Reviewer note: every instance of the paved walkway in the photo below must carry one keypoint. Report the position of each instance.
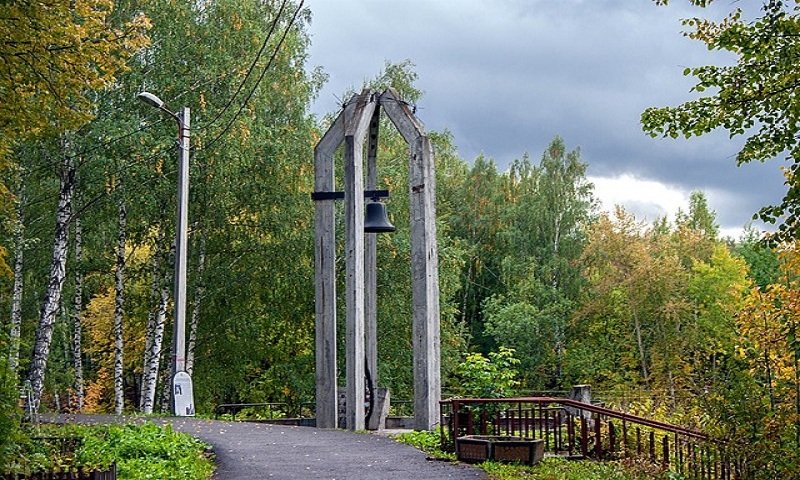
(260, 451)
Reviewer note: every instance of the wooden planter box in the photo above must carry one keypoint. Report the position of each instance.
(110, 474)
(479, 448)
(473, 448)
(527, 451)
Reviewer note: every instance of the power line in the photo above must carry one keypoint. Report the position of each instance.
(261, 77)
(94, 201)
(108, 112)
(252, 66)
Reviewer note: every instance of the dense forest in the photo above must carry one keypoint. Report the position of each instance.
(665, 318)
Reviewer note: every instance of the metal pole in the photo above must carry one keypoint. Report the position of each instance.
(181, 233)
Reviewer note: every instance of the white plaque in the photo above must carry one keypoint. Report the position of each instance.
(183, 395)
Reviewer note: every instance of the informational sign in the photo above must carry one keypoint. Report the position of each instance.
(183, 394)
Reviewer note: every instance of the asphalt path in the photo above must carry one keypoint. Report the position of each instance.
(250, 451)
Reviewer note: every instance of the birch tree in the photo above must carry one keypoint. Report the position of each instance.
(199, 291)
(155, 332)
(549, 207)
(119, 302)
(55, 284)
(48, 72)
(77, 309)
(16, 296)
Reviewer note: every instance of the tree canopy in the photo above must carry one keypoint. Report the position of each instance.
(755, 97)
(55, 53)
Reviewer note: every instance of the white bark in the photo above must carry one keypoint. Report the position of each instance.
(155, 301)
(166, 390)
(119, 398)
(16, 298)
(640, 343)
(77, 334)
(199, 291)
(55, 283)
(166, 386)
(153, 356)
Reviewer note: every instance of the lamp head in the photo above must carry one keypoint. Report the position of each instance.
(150, 99)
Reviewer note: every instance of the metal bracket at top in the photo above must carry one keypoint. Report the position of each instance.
(340, 195)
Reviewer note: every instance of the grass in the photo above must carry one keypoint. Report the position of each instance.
(554, 468)
(551, 468)
(146, 451)
(426, 441)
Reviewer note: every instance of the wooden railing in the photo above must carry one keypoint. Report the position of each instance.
(575, 429)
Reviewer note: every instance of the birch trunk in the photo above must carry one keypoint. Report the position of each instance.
(153, 356)
(169, 371)
(559, 335)
(77, 307)
(199, 291)
(16, 298)
(55, 283)
(119, 398)
(166, 385)
(155, 302)
(640, 343)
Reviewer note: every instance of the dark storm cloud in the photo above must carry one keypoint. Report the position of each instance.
(507, 76)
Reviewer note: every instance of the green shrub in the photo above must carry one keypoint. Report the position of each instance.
(145, 451)
(492, 377)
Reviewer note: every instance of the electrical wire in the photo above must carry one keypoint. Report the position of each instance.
(253, 64)
(260, 78)
(193, 88)
(108, 143)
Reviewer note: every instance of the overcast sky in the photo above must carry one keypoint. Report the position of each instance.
(506, 76)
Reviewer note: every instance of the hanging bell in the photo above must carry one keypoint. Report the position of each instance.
(375, 219)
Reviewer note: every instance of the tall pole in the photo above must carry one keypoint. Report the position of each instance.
(179, 354)
(179, 387)
(181, 393)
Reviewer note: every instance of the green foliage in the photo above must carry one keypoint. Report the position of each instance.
(492, 377)
(146, 451)
(755, 97)
(524, 263)
(530, 330)
(560, 469)
(477, 221)
(659, 309)
(762, 261)
(700, 218)
(524, 230)
(427, 441)
(10, 416)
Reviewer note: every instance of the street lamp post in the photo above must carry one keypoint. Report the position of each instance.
(182, 392)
